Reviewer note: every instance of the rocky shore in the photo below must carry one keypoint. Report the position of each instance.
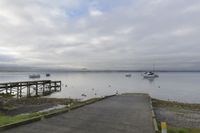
(180, 115)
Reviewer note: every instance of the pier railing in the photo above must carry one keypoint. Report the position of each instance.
(30, 88)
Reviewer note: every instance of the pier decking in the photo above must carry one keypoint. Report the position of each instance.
(118, 114)
(30, 88)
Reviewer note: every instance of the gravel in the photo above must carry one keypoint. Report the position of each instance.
(177, 117)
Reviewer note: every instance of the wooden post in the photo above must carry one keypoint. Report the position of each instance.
(55, 88)
(10, 90)
(28, 89)
(18, 91)
(43, 88)
(36, 88)
(49, 87)
(60, 85)
(6, 88)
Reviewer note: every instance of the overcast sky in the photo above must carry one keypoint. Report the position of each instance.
(100, 34)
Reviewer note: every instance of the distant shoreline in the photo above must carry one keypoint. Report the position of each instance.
(99, 71)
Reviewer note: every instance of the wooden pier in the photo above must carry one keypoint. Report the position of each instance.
(30, 88)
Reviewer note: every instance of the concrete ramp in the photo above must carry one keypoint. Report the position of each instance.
(129, 113)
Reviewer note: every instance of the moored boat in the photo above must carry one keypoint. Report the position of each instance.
(128, 75)
(32, 76)
(150, 75)
(48, 75)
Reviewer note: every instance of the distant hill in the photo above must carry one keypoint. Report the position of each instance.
(17, 68)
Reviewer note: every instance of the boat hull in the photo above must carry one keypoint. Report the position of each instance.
(150, 76)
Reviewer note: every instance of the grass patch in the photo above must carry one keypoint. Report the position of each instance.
(183, 130)
(8, 107)
(4, 120)
(80, 103)
(91, 100)
(6, 95)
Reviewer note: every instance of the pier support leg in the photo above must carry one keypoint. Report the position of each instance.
(50, 87)
(6, 89)
(43, 89)
(36, 89)
(10, 90)
(60, 84)
(18, 92)
(28, 90)
(55, 86)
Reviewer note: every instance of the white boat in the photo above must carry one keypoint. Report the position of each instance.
(33, 76)
(150, 75)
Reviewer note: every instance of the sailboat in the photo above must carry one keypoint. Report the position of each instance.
(150, 74)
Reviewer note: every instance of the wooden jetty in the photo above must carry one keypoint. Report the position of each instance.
(30, 88)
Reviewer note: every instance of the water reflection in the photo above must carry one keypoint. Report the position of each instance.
(151, 80)
(182, 87)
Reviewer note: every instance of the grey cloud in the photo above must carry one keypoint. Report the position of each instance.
(121, 35)
(7, 59)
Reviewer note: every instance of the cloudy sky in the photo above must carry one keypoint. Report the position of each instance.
(100, 34)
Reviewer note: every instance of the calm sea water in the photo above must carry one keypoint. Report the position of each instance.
(182, 87)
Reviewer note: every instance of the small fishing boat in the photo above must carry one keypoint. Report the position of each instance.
(33, 76)
(83, 95)
(48, 75)
(128, 75)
